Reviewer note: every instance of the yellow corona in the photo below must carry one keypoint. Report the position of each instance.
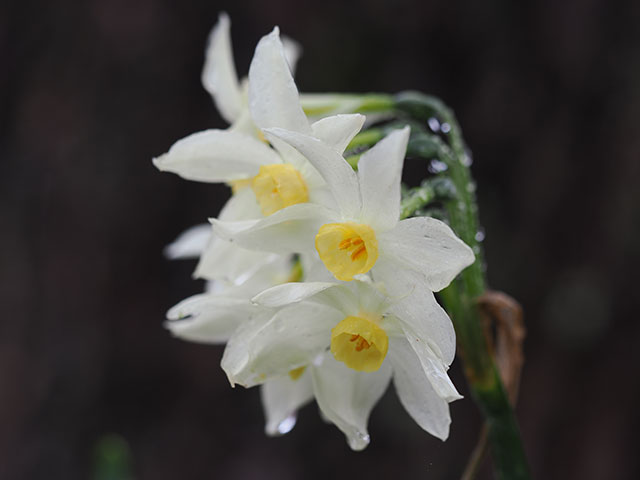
(278, 186)
(359, 343)
(347, 249)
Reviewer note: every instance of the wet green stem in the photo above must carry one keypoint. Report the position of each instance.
(460, 297)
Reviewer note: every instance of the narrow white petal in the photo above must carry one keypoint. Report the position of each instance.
(424, 323)
(244, 123)
(216, 156)
(292, 52)
(291, 338)
(432, 364)
(223, 260)
(290, 230)
(337, 131)
(273, 96)
(257, 271)
(346, 396)
(414, 389)
(281, 399)
(219, 73)
(228, 262)
(318, 190)
(291, 293)
(242, 205)
(340, 177)
(208, 318)
(379, 175)
(428, 321)
(273, 270)
(428, 246)
(290, 155)
(314, 270)
(190, 243)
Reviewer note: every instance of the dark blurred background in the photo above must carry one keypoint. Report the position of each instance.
(548, 96)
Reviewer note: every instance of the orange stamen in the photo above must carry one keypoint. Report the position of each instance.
(362, 249)
(344, 244)
(361, 343)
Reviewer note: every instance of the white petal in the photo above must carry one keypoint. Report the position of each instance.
(337, 131)
(429, 246)
(379, 174)
(219, 74)
(423, 321)
(313, 268)
(208, 318)
(190, 243)
(292, 52)
(291, 293)
(273, 270)
(281, 398)
(428, 321)
(335, 170)
(293, 337)
(290, 230)
(416, 394)
(273, 96)
(216, 156)
(432, 364)
(318, 190)
(244, 124)
(230, 263)
(290, 155)
(242, 205)
(223, 260)
(346, 396)
(267, 270)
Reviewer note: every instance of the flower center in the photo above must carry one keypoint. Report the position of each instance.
(359, 343)
(347, 249)
(278, 186)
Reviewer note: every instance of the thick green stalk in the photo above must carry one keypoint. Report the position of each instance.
(460, 297)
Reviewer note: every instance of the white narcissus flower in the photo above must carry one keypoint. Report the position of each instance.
(212, 317)
(230, 94)
(364, 234)
(220, 79)
(231, 156)
(353, 339)
(277, 177)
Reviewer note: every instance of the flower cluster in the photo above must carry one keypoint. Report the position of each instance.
(316, 286)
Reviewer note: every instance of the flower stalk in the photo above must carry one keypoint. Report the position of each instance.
(461, 295)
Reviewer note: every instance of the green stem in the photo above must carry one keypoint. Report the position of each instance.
(416, 199)
(366, 139)
(460, 297)
(324, 104)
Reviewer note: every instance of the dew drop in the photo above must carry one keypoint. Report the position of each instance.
(434, 124)
(287, 424)
(445, 128)
(480, 235)
(471, 187)
(359, 440)
(467, 159)
(436, 166)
